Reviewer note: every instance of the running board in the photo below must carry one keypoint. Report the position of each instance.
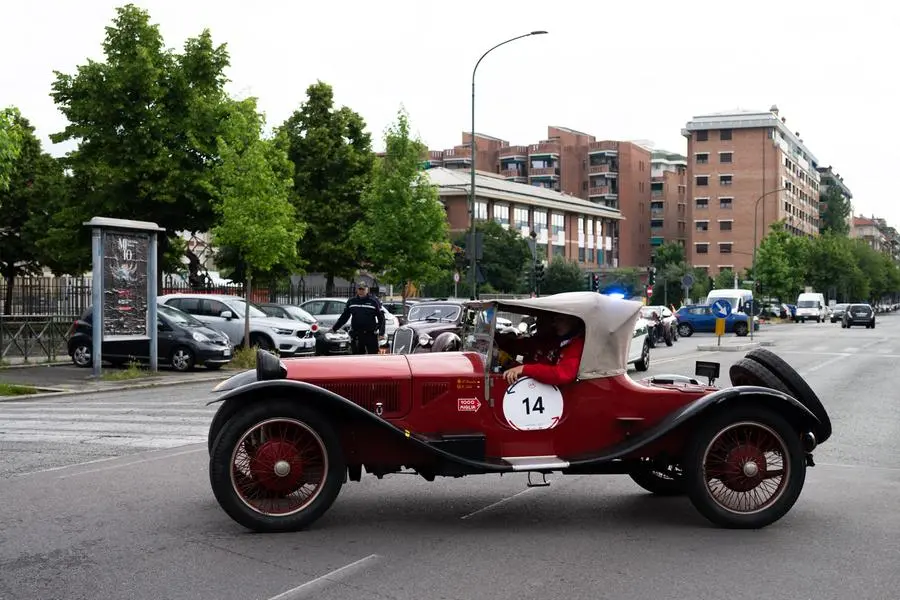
(536, 463)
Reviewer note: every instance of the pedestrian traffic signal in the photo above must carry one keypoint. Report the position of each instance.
(539, 272)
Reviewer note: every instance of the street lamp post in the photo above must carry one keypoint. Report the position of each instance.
(753, 267)
(472, 243)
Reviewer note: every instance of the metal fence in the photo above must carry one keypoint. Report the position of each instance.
(35, 319)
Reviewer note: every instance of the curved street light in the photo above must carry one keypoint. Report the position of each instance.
(472, 249)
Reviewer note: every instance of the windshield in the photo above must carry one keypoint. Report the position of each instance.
(807, 304)
(177, 316)
(840, 306)
(240, 308)
(434, 312)
(299, 314)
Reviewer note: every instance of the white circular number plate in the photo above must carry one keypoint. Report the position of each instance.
(530, 404)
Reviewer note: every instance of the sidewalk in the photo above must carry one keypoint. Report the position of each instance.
(66, 379)
(730, 343)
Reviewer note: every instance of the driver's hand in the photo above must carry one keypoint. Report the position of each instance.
(513, 374)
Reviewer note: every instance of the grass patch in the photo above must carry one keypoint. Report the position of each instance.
(8, 389)
(244, 358)
(134, 370)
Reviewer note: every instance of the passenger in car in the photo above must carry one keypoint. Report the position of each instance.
(555, 357)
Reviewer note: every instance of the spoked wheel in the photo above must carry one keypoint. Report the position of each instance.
(661, 482)
(276, 467)
(745, 468)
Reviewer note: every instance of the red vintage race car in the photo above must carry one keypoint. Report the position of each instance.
(291, 433)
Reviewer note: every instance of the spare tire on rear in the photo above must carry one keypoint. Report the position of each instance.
(796, 387)
(748, 372)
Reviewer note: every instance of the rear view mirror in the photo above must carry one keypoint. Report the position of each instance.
(226, 314)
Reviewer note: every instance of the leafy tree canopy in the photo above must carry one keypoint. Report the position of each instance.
(835, 218)
(562, 276)
(404, 228)
(10, 143)
(506, 256)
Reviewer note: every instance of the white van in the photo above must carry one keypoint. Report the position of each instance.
(811, 305)
(741, 300)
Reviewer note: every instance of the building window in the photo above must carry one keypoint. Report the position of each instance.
(656, 187)
(656, 223)
(702, 158)
(481, 210)
(724, 247)
(702, 136)
(559, 251)
(702, 248)
(725, 157)
(559, 223)
(724, 134)
(540, 220)
(726, 179)
(725, 202)
(702, 180)
(724, 225)
(701, 202)
(581, 255)
(702, 225)
(520, 218)
(501, 213)
(580, 224)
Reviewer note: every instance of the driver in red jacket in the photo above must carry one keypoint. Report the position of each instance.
(556, 357)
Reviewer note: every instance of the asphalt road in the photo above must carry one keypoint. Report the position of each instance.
(145, 525)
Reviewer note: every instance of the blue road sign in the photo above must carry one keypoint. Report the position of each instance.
(721, 308)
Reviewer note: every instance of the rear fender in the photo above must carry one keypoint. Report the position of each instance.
(335, 407)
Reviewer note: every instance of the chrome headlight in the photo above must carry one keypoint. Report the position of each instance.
(199, 337)
(425, 340)
(283, 331)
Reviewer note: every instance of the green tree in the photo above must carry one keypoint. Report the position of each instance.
(148, 121)
(562, 276)
(10, 144)
(506, 255)
(667, 254)
(781, 261)
(837, 212)
(332, 156)
(404, 228)
(724, 279)
(256, 217)
(35, 181)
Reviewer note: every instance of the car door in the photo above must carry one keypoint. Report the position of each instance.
(165, 339)
(212, 310)
(333, 311)
(702, 319)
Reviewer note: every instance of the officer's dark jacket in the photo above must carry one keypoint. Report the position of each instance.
(365, 313)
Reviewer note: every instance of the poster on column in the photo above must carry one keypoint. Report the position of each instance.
(125, 285)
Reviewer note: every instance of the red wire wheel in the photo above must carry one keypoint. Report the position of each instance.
(276, 465)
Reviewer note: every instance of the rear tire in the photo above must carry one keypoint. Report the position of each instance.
(685, 330)
(643, 363)
(733, 445)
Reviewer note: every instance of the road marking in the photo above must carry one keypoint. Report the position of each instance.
(822, 365)
(852, 466)
(319, 583)
(498, 503)
(132, 463)
(677, 358)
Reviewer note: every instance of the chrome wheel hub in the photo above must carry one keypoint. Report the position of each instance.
(751, 469)
(282, 468)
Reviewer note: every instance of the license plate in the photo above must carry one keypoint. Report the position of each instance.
(343, 344)
(226, 352)
(860, 314)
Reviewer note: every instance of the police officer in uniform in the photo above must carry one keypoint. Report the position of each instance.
(366, 321)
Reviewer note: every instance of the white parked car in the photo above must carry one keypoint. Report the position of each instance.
(226, 314)
(639, 349)
(328, 310)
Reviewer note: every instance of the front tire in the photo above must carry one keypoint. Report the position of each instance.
(182, 359)
(265, 460)
(728, 474)
(643, 363)
(685, 330)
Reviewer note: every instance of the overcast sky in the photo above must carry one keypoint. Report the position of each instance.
(617, 70)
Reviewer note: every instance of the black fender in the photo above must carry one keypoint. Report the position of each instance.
(342, 409)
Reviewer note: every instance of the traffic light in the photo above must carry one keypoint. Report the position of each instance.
(651, 278)
(589, 282)
(595, 282)
(539, 272)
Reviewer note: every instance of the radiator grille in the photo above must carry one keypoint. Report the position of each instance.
(433, 391)
(403, 341)
(368, 394)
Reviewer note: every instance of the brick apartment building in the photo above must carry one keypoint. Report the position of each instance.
(734, 158)
(668, 199)
(605, 173)
(566, 226)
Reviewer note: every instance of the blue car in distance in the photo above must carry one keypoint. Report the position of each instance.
(700, 318)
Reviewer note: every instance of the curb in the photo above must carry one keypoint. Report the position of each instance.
(734, 347)
(113, 388)
(32, 365)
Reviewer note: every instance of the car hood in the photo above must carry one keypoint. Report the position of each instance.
(333, 371)
(279, 323)
(431, 327)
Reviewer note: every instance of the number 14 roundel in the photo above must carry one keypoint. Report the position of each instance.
(529, 404)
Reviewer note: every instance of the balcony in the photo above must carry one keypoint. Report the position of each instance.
(601, 191)
(544, 172)
(605, 147)
(601, 170)
(513, 174)
(657, 212)
(657, 194)
(543, 149)
(458, 155)
(514, 152)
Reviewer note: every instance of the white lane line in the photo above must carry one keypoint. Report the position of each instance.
(317, 584)
(132, 463)
(822, 365)
(862, 467)
(498, 503)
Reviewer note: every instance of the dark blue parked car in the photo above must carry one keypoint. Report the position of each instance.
(700, 318)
